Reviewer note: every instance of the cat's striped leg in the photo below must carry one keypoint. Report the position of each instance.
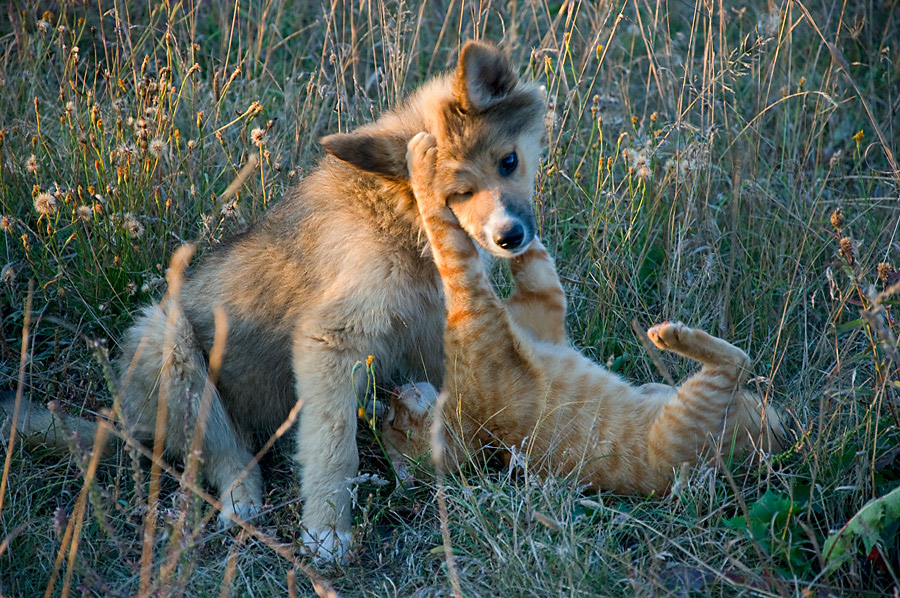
(481, 344)
(697, 413)
(538, 303)
(711, 403)
(723, 357)
(467, 289)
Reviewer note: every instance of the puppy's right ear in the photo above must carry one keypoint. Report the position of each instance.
(483, 76)
(374, 151)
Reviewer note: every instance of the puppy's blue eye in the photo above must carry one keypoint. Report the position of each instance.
(508, 164)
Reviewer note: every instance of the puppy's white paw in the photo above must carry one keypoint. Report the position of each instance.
(245, 511)
(328, 545)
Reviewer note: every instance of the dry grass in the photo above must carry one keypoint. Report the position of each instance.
(697, 155)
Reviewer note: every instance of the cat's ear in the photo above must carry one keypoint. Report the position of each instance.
(371, 149)
(483, 76)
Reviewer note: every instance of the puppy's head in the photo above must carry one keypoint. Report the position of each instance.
(488, 125)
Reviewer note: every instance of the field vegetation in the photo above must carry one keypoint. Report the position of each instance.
(732, 166)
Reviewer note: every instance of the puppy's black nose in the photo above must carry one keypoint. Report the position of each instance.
(510, 237)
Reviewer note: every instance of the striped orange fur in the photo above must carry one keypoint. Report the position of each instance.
(513, 380)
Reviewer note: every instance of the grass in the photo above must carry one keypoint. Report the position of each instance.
(697, 157)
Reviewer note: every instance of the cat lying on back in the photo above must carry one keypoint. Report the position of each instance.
(513, 380)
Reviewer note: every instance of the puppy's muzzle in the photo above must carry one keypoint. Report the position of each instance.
(510, 237)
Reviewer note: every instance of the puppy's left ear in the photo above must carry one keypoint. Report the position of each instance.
(372, 150)
(483, 76)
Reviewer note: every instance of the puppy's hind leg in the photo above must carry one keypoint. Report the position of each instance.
(148, 364)
(227, 466)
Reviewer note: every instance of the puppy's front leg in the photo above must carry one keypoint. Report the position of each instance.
(326, 445)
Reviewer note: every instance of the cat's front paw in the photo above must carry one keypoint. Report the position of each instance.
(405, 429)
(417, 397)
(421, 161)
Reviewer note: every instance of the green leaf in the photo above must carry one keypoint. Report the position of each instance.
(771, 523)
(619, 363)
(873, 523)
(851, 325)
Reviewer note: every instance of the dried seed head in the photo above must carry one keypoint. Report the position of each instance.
(123, 153)
(132, 225)
(31, 164)
(769, 24)
(638, 160)
(847, 249)
(85, 212)
(837, 219)
(229, 209)
(6, 223)
(258, 137)
(60, 521)
(835, 159)
(884, 271)
(45, 204)
(158, 147)
(140, 129)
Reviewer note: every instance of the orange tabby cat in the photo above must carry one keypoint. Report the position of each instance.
(513, 380)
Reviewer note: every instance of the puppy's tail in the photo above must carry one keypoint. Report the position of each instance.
(41, 426)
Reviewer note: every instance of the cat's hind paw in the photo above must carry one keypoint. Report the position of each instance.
(670, 336)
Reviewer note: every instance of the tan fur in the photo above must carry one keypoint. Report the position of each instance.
(512, 379)
(336, 271)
